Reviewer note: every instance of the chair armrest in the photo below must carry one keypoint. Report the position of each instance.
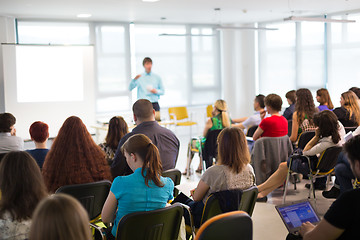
(187, 208)
(99, 229)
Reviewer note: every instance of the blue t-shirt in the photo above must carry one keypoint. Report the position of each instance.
(133, 195)
(39, 155)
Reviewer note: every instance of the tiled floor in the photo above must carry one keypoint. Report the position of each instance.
(266, 222)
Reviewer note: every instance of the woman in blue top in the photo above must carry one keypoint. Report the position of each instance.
(144, 190)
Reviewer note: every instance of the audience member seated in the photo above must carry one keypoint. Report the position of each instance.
(74, 157)
(323, 97)
(274, 126)
(117, 129)
(349, 112)
(144, 190)
(219, 120)
(342, 220)
(343, 175)
(232, 171)
(329, 133)
(22, 187)
(8, 139)
(291, 99)
(39, 133)
(60, 217)
(246, 122)
(164, 139)
(302, 120)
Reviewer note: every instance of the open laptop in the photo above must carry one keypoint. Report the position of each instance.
(295, 213)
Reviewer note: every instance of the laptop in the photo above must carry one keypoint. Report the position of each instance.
(295, 213)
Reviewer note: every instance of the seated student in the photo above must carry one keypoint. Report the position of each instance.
(74, 157)
(323, 97)
(8, 139)
(232, 171)
(219, 120)
(117, 129)
(60, 217)
(39, 133)
(342, 220)
(329, 133)
(349, 112)
(291, 99)
(22, 187)
(246, 122)
(302, 120)
(274, 126)
(144, 190)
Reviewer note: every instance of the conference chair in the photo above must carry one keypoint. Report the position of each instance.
(250, 132)
(160, 224)
(91, 195)
(181, 118)
(210, 147)
(267, 154)
(209, 109)
(289, 127)
(175, 175)
(231, 225)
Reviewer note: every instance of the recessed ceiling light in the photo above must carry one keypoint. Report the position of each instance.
(84, 15)
(150, 0)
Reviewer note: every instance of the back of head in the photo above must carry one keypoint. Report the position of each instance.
(304, 105)
(232, 149)
(324, 95)
(274, 101)
(352, 149)
(21, 184)
(356, 90)
(291, 95)
(261, 100)
(143, 110)
(142, 146)
(7, 120)
(76, 156)
(328, 125)
(39, 131)
(117, 129)
(60, 217)
(221, 106)
(352, 105)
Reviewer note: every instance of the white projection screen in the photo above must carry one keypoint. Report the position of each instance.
(48, 83)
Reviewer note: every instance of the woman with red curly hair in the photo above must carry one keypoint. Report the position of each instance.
(74, 157)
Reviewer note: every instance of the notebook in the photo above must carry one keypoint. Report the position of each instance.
(296, 213)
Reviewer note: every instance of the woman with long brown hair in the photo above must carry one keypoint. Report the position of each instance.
(22, 188)
(323, 97)
(144, 190)
(349, 112)
(117, 129)
(302, 120)
(74, 157)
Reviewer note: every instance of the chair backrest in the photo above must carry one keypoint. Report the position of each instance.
(175, 175)
(161, 224)
(348, 129)
(209, 109)
(327, 160)
(1, 156)
(289, 127)
(248, 200)
(304, 138)
(251, 131)
(231, 225)
(179, 112)
(91, 195)
(210, 147)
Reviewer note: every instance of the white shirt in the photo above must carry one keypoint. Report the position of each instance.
(10, 143)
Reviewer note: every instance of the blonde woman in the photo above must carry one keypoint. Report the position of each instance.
(349, 112)
(60, 217)
(219, 120)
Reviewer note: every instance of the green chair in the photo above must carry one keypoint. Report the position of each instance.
(160, 224)
(175, 175)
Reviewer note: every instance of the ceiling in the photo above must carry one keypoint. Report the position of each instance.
(175, 11)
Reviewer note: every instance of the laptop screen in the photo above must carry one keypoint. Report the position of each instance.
(296, 214)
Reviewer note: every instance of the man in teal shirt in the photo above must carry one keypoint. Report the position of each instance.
(149, 85)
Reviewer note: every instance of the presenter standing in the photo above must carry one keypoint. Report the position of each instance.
(149, 86)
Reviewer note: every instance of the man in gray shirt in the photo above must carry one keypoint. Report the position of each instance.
(165, 140)
(8, 139)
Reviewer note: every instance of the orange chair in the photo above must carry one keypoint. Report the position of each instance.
(231, 225)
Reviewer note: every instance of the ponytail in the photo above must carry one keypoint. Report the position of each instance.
(221, 106)
(225, 119)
